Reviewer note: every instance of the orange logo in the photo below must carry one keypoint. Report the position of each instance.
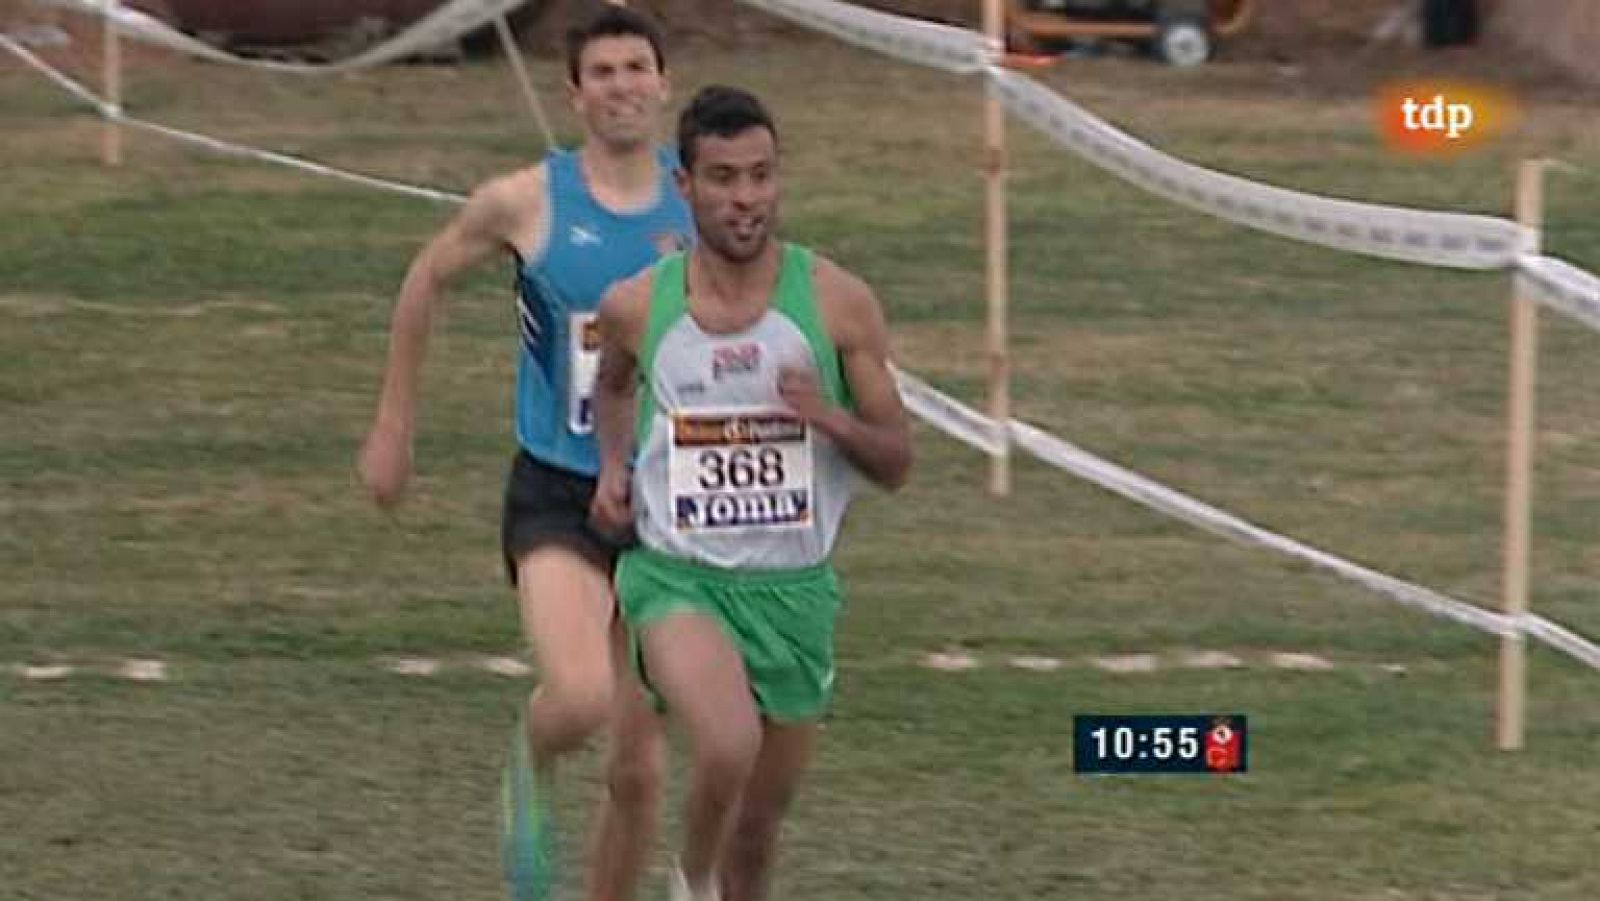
(1442, 118)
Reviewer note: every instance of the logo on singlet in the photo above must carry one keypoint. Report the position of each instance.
(735, 359)
(582, 236)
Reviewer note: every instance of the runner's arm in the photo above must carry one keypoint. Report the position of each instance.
(619, 321)
(617, 376)
(876, 438)
(481, 228)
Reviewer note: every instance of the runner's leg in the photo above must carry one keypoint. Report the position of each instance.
(700, 674)
(629, 819)
(786, 751)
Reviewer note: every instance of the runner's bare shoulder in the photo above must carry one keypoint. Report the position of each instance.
(625, 309)
(848, 306)
(512, 206)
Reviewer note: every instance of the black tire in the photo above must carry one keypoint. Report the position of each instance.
(1183, 41)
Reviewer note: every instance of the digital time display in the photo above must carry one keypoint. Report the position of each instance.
(1212, 743)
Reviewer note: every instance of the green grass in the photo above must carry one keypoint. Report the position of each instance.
(189, 352)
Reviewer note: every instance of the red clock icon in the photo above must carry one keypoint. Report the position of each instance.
(1222, 747)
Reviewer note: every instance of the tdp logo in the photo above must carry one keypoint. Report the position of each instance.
(1454, 119)
(1441, 118)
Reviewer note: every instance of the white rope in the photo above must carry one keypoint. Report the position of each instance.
(294, 162)
(219, 146)
(55, 75)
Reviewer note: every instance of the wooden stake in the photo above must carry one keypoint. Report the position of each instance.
(111, 136)
(1519, 470)
(994, 130)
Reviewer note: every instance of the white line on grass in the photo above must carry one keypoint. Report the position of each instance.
(44, 673)
(952, 660)
(1210, 660)
(143, 670)
(1129, 663)
(414, 666)
(504, 666)
(1302, 662)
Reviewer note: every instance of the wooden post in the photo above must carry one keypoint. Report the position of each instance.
(508, 44)
(994, 130)
(111, 62)
(1510, 714)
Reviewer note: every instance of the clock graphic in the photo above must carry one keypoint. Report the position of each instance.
(1133, 744)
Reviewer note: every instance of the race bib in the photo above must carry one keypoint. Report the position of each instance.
(583, 358)
(740, 472)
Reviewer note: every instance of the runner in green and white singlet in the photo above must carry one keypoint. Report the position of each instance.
(727, 475)
(743, 392)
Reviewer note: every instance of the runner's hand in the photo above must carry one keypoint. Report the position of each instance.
(611, 511)
(800, 389)
(385, 463)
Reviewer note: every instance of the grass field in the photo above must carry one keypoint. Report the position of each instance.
(189, 352)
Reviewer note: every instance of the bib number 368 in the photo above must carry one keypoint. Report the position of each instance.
(742, 467)
(735, 471)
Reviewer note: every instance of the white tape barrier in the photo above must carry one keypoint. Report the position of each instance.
(215, 145)
(977, 430)
(954, 418)
(928, 43)
(1454, 240)
(961, 421)
(1562, 639)
(974, 428)
(1562, 287)
(445, 24)
(1148, 493)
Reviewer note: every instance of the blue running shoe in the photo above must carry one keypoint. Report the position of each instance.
(527, 836)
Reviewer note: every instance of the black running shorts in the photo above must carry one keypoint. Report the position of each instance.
(544, 505)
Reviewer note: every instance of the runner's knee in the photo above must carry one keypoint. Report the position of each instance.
(582, 706)
(728, 753)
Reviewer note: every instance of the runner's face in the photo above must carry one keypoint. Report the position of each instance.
(620, 91)
(733, 192)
